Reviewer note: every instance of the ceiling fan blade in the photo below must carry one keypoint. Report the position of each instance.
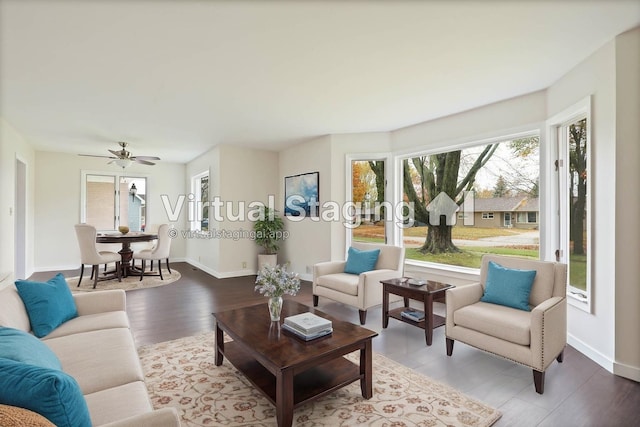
(145, 158)
(121, 154)
(144, 162)
(94, 155)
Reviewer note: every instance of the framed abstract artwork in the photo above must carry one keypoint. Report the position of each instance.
(301, 195)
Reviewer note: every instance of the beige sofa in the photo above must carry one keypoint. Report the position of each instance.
(362, 291)
(97, 349)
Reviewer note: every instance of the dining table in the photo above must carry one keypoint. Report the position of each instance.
(126, 254)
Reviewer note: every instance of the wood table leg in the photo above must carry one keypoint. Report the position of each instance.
(284, 398)
(428, 318)
(366, 370)
(385, 307)
(219, 346)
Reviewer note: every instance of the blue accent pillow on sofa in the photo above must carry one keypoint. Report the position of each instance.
(49, 304)
(23, 347)
(360, 261)
(49, 392)
(508, 286)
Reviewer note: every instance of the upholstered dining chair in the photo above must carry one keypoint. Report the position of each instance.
(337, 280)
(518, 311)
(159, 252)
(89, 254)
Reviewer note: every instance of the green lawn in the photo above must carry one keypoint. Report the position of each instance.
(578, 271)
(470, 256)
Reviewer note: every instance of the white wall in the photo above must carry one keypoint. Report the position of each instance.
(493, 120)
(627, 234)
(238, 176)
(310, 238)
(593, 333)
(57, 198)
(246, 175)
(204, 253)
(13, 146)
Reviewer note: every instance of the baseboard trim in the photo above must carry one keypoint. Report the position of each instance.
(627, 371)
(218, 274)
(591, 353)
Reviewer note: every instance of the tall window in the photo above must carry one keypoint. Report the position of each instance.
(108, 205)
(465, 201)
(200, 191)
(369, 208)
(573, 179)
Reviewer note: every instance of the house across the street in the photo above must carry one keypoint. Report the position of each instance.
(516, 212)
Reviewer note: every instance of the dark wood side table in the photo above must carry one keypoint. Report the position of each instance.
(426, 293)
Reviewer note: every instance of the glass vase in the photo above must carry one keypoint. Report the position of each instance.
(275, 307)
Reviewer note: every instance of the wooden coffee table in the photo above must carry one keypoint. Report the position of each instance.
(426, 293)
(287, 370)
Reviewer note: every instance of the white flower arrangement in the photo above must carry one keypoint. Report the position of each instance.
(277, 281)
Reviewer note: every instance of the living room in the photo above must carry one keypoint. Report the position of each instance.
(605, 78)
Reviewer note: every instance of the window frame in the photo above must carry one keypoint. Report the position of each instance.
(195, 220)
(389, 230)
(452, 145)
(559, 179)
(117, 176)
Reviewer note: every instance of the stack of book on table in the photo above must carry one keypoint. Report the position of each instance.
(307, 326)
(412, 314)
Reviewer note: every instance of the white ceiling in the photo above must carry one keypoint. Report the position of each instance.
(175, 78)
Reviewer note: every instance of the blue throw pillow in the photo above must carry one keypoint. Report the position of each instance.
(49, 304)
(507, 286)
(360, 261)
(49, 392)
(23, 347)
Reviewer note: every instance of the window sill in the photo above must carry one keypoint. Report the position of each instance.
(458, 275)
(579, 299)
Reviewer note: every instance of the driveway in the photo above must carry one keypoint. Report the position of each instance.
(527, 238)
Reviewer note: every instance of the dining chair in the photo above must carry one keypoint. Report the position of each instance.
(159, 252)
(150, 229)
(89, 254)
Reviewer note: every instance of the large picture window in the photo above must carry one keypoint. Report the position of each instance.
(465, 202)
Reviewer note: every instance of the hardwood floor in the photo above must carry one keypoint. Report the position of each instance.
(578, 392)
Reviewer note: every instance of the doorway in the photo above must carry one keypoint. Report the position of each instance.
(20, 212)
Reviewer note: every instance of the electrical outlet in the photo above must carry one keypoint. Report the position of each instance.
(244, 264)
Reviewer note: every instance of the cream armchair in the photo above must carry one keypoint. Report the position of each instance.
(362, 291)
(531, 338)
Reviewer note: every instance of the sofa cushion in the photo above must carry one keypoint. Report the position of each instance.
(49, 392)
(91, 322)
(342, 282)
(23, 347)
(12, 416)
(49, 304)
(98, 359)
(359, 261)
(508, 286)
(118, 403)
(497, 321)
(13, 313)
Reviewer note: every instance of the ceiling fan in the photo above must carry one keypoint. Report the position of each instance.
(123, 157)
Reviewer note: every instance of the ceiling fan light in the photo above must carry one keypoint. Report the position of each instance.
(123, 163)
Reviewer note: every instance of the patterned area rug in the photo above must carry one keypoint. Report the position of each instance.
(182, 374)
(128, 283)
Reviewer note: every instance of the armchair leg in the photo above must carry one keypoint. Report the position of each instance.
(538, 381)
(450, 346)
(315, 300)
(560, 357)
(363, 316)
